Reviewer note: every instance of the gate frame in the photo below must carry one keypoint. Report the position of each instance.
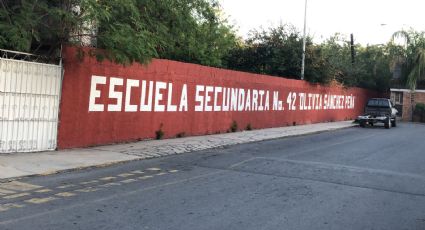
(37, 59)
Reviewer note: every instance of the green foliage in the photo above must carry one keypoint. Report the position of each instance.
(419, 112)
(417, 69)
(277, 52)
(317, 69)
(337, 54)
(248, 127)
(234, 127)
(411, 54)
(159, 134)
(194, 31)
(420, 108)
(181, 135)
(373, 67)
(126, 30)
(120, 31)
(39, 27)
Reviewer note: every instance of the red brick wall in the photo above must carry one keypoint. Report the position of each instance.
(407, 107)
(419, 97)
(87, 88)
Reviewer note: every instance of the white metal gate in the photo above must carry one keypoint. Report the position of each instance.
(29, 105)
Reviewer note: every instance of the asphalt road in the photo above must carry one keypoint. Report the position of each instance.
(354, 178)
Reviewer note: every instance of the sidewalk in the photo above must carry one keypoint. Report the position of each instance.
(44, 163)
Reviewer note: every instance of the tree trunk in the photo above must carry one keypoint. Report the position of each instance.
(412, 103)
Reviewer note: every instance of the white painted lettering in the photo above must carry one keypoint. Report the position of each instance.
(234, 100)
(267, 103)
(158, 96)
(113, 81)
(254, 100)
(148, 106)
(248, 101)
(199, 98)
(95, 93)
(261, 93)
(276, 100)
(216, 92)
(226, 99)
(183, 99)
(241, 100)
(170, 106)
(130, 84)
(208, 90)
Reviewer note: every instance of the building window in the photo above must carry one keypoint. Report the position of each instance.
(397, 98)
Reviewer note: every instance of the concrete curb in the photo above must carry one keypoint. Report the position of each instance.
(22, 165)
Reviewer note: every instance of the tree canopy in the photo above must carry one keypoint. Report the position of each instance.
(126, 30)
(277, 51)
(274, 52)
(410, 54)
(195, 31)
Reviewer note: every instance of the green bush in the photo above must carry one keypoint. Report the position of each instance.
(159, 134)
(180, 135)
(234, 127)
(419, 112)
(420, 108)
(249, 127)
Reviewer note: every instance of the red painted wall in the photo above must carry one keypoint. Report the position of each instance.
(80, 127)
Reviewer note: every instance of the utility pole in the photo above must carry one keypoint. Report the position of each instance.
(353, 52)
(304, 41)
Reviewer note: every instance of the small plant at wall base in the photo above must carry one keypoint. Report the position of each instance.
(249, 127)
(180, 135)
(234, 127)
(159, 134)
(419, 112)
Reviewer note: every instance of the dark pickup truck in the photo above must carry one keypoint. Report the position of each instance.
(379, 110)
